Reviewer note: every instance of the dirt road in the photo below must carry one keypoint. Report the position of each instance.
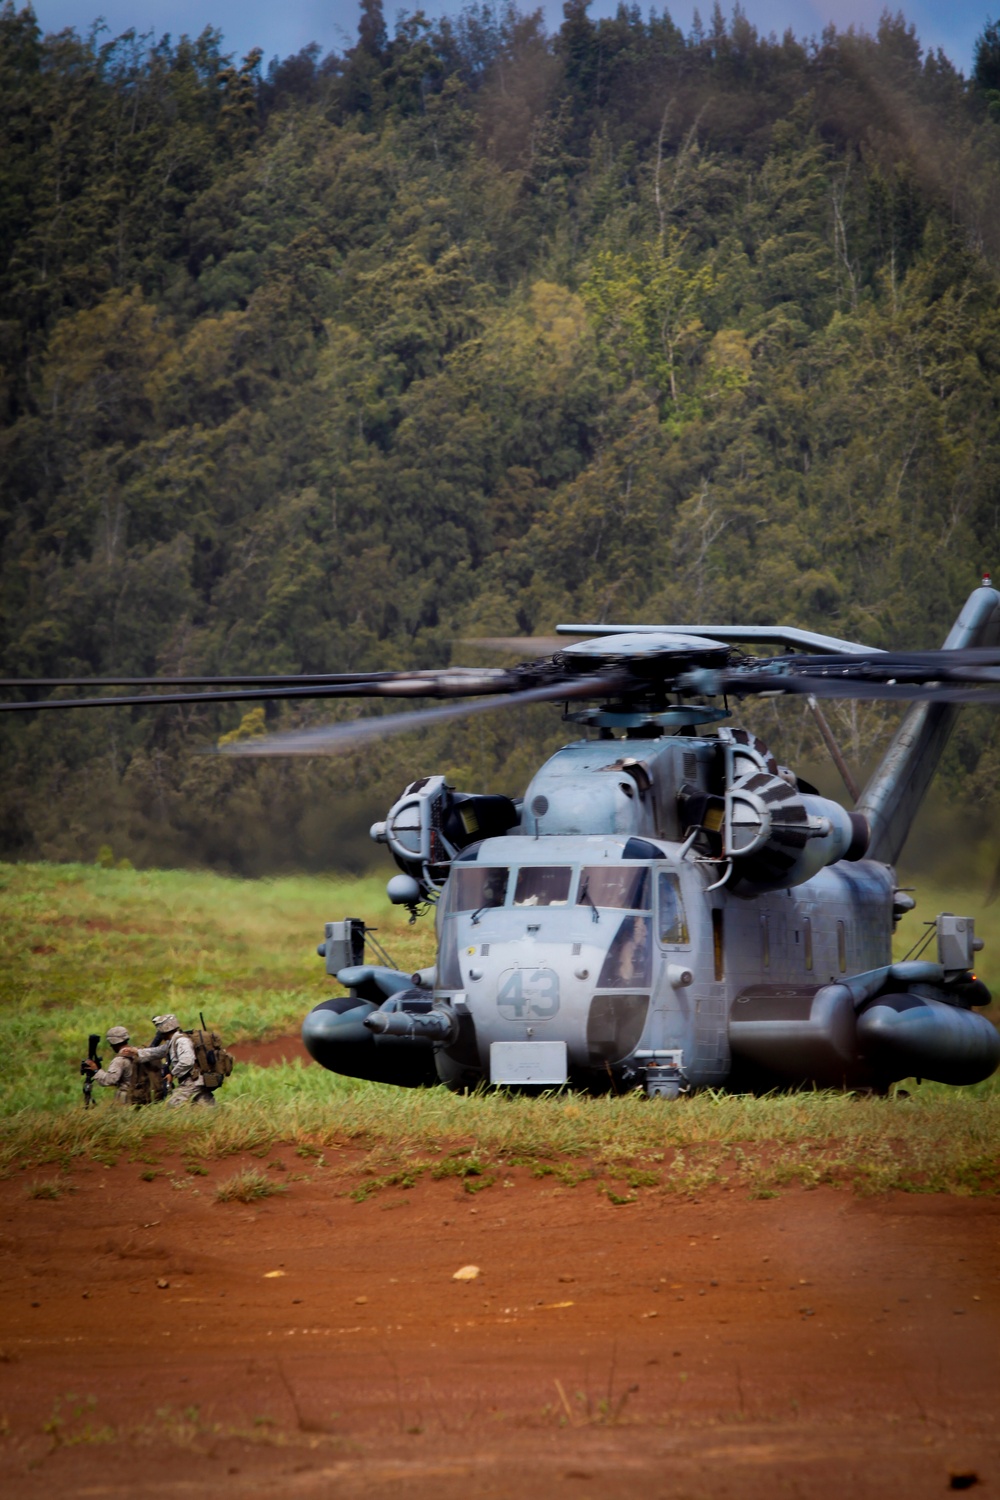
(156, 1342)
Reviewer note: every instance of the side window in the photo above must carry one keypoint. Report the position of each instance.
(672, 918)
(718, 943)
(808, 938)
(841, 947)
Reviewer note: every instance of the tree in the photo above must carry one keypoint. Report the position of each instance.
(986, 59)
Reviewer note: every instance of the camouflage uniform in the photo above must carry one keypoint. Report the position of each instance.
(118, 1073)
(188, 1087)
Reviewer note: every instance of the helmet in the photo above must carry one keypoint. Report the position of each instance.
(166, 1023)
(117, 1036)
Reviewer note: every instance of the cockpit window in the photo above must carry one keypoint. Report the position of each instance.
(478, 886)
(543, 885)
(625, 886)
(673, 921)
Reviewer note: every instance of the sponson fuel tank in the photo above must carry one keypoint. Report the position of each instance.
(867, 1030)
(336, 1036)
(904, 1035)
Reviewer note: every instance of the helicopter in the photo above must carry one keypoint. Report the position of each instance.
(667, 907)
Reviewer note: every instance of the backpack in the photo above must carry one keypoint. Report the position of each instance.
(147, 1083)
(214, 1063)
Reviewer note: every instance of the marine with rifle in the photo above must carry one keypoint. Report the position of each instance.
(177, 1046)
(117, 1075)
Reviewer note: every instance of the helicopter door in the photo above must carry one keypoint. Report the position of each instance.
(673, 1028)
(693, 1019)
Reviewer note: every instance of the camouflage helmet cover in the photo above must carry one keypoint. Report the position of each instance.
(117, 1036)
(166, 1023)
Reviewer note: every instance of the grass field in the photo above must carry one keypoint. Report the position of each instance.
(82, 948)
(85, 947)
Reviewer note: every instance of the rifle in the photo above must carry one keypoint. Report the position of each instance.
(93, 1042)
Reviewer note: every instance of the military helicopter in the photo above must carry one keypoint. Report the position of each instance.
(666, 907)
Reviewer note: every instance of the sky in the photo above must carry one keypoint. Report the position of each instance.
(281, 29)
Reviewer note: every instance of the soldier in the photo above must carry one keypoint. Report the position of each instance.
(188, 1085)
(118, 1074)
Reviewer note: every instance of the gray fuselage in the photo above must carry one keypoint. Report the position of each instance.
(662, 973)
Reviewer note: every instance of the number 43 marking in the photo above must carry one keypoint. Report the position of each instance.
(529, 992)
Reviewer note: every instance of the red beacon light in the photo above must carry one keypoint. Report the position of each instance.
(987, 580)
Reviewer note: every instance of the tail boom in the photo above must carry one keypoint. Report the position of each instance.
(897, 787)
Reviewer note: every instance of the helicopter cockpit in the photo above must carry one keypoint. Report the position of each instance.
(479, 888)
(615, 886)
(583, 930)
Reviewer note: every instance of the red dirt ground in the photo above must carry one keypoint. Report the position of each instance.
(813, 1344)
(277, 1050)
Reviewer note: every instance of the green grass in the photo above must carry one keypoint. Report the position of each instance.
(83, 948)
(380, 1139)
(52, 1188)
(248, 1186)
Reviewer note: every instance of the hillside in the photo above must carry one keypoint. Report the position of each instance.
(464, 331)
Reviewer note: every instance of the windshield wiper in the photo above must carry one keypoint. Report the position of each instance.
(586, 896)
(478, 913)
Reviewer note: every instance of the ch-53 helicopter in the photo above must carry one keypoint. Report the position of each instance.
(666, 907)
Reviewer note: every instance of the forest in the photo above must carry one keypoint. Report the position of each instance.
(345, 362)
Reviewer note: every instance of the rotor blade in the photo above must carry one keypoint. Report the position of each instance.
(971, 664)
(959, 676)
(758, 684)
(332, 739)
(454, 682)
(262, 679)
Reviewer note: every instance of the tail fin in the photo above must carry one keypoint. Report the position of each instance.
(896, 789)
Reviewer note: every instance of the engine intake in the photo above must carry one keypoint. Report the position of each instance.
(430, 824)
(778, 836)
(758, 815)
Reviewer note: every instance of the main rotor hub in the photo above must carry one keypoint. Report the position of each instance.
(677, 652)
(669, 720)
